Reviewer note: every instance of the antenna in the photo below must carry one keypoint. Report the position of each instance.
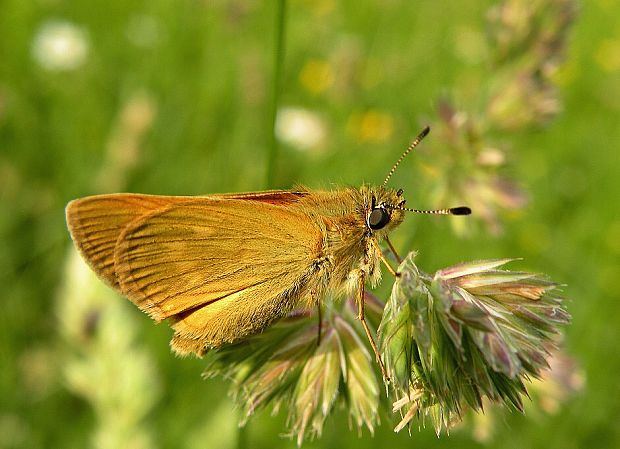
(461, 210)
(414, 144)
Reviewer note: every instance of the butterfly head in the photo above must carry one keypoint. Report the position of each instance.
(386, 207)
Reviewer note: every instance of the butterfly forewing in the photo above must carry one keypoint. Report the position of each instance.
(96, 222)
(210, 264)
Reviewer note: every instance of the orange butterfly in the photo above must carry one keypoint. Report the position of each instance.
(222, 267)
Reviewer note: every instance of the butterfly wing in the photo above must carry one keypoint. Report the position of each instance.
(220, 267)
(96, 222)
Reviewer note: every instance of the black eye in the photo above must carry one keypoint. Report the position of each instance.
(378, 218)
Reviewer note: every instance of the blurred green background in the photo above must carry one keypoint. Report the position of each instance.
(175, 98)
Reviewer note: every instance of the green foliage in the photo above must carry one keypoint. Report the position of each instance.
(289, 368)
(468, 333)
(108, 368)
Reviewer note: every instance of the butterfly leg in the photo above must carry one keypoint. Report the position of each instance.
(362, 317)
(320, 315)
(386, 262)
(393, 250)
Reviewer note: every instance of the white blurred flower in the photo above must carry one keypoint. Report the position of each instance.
(60, 46)
(300, 128)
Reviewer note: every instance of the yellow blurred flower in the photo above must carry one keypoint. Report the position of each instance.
(608, 55)
(320, 7)
(371, 126)
(316, 76)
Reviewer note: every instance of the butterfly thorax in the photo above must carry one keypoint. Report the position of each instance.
(349, 248)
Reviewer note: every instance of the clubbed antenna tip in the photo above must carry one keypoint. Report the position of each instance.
(462, 210)
(425, 131)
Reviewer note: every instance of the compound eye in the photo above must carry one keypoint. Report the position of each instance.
(378, 218)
